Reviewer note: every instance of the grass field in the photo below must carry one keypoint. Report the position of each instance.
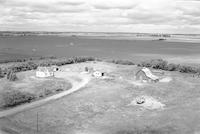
(103, 106)
(29, 83)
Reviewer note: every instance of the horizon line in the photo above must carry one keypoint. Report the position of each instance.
(98, 32)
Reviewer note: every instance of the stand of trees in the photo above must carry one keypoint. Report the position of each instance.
(14, 97)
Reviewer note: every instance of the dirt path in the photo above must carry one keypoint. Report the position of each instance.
(71, 77)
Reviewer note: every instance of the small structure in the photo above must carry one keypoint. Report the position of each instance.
(140, 100)
(145, 74)
(55, 68)
(43, 72)
(98, 74)
(147, 102)
(89, 69)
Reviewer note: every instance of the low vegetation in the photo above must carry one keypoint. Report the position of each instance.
(14, 97)
(163, 65)
(1, 73)
(11, 75)
(160, 64)
(122, 62)
(26, 59)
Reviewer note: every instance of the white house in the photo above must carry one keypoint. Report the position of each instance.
(98, 74)
(43, 72)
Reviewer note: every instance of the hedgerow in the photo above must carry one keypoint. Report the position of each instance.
(14, 97)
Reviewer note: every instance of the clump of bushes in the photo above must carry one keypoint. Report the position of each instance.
(59, 90)
(14, 97)
(1, 73)
(163, 65)
(172, 67)
(47, 92)
(159, 64)
(11, 75)
(188, 69)
(122, 62)
(155, 63)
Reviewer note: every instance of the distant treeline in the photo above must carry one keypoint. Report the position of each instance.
(33, 64)
(26, 59)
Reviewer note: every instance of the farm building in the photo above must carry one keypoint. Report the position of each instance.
(145, 74)
(46, 71)
(55, 68)
(98, 74)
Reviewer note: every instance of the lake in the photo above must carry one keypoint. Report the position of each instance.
(18, 47)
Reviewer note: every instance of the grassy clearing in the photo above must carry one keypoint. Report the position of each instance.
(29, 88)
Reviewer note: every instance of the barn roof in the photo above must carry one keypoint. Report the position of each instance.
(149, 74)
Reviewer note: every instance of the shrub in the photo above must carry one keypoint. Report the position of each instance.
(123, 62)
(155, 63)
(13, 98)
(187, 69)
(145, 64)
(1, 73)
(159, 64)
(11, 75)
(48, 92)
(86, 69)
(163, 65)
(59, 90)
(172, 67)
(81, 59)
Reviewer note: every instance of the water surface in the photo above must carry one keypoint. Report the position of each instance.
(14, 47)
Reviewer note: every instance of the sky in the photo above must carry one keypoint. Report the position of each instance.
(149, 16)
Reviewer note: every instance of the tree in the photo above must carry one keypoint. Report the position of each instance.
(11, 75)
(1, 73)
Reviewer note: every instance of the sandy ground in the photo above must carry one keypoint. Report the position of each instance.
(103, 107)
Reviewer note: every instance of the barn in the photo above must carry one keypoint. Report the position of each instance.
(145, 74)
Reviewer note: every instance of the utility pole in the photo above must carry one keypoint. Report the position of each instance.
(37, 123)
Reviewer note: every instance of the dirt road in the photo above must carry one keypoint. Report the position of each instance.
(71, 77)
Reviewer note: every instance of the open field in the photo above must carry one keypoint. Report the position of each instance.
(29, 83)
(105, 106)
(136, 50)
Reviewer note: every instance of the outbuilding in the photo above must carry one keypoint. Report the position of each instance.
(43, 72)
(98, 74)
(145, 74)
